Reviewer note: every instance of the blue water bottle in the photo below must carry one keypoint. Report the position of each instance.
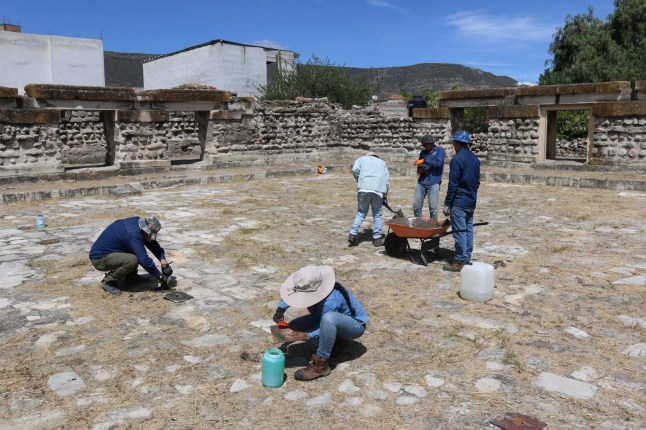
(273, 368)
(40, 221)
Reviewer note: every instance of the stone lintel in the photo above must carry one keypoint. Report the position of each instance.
(74, 92)
(484, 93)
(84, 104)
(185, 95)
(531, 111)
(431, 113)
(188, 106)
(30, 116)
(142, 116)
(617, 109)
(615, 87)
(474, 102)
(8, 93)
(536, 100)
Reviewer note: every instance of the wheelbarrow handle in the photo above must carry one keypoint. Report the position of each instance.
(463, 230)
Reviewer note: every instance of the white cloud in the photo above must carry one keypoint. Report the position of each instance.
(269, 44)
(501, 28)
(384, 4)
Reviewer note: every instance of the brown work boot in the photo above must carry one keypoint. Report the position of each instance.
(454, 266)
(317, 367)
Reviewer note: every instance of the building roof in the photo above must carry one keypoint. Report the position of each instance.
(216, 41)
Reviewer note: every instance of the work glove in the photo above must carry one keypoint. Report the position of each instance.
(279, 315)
(163, 282)
(447, 211)
(167, 270)
(384, 201)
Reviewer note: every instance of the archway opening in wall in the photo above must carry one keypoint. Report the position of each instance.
(568, 135)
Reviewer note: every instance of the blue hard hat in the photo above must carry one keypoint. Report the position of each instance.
(462, 136)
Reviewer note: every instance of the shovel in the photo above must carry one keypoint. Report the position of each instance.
(398, 212)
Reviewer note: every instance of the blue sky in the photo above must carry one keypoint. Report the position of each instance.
(504, 37)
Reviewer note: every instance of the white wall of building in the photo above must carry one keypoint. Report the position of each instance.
(228, 67)
(36, 59)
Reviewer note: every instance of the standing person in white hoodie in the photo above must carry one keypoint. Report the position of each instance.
(371, 174)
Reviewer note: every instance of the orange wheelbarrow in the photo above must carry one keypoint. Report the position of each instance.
(427, 230)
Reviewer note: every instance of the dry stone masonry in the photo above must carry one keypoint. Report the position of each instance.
(56, 127)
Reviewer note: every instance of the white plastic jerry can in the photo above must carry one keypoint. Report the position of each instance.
(477, 282)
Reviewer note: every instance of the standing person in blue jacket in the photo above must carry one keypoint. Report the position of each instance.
(430, 166)
(371, 174)
(122, 247)
(335, 318)
(461, 197)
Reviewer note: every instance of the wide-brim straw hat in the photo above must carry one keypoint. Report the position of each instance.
(308, 286)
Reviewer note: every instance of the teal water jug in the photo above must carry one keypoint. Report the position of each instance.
(273, 367)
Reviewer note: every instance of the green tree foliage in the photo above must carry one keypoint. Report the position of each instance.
(476, 119)
(319, 78)
(587, 49)
(571, 124)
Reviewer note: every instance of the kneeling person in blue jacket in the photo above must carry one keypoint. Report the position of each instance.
(335, 318)
(121, 248)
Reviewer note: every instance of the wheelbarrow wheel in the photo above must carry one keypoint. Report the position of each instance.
(395, 245)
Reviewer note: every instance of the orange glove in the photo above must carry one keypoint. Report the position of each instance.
(420, 161)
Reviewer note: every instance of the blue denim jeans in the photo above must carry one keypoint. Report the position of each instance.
(368, 201)
(462, 219)
(421, 191)
(332, 325)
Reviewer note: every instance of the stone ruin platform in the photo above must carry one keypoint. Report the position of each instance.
(561, 341)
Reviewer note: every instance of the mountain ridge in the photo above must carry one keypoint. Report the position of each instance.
(126, 70)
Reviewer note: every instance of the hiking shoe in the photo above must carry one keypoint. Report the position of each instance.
(353, 240)
(317, 368)
(110, 287)
(454, 266)
(378, 241)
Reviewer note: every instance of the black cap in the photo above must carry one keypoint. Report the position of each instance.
(427, 139)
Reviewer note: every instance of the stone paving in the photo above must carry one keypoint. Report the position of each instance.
(563, 339)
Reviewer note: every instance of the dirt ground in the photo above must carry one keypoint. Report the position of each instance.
(569, 301)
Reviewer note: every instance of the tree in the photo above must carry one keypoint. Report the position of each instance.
(587, 49)
(318, 78)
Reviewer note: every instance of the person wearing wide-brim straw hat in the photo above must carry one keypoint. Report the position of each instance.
(121, 248)
(461, 198)
(335, 315)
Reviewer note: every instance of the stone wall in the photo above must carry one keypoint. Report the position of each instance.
(29, 140)
(513, 133)
(577, 148)
(619, 133)
(95, 126)
(81, 139)
(311, 128)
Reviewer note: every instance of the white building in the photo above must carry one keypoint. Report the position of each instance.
(37, 59)
(227, 66)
